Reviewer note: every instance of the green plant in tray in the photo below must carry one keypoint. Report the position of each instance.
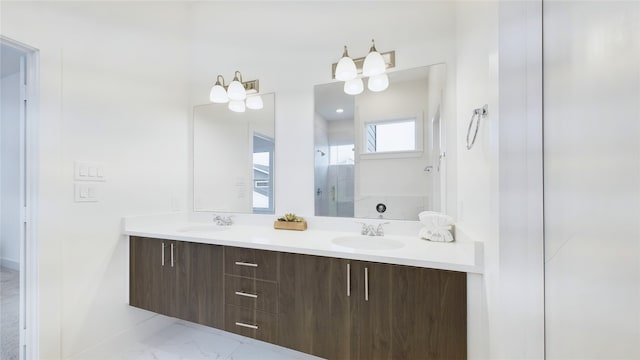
(291, 217)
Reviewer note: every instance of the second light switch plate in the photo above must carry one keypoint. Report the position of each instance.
(89, 171)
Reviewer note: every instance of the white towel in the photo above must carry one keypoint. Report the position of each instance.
(437, 226)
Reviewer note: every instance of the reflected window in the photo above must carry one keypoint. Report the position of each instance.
(341, 154)
(263, 150)
(393, 135)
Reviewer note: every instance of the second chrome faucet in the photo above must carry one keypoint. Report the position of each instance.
(372, 230)
(223, 220)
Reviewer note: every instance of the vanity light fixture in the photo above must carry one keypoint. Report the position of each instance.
(239, 94)
(346, 68)
(339, 110)
(374, 63)
(373, 66)
(354, 87)
(254, 102)
(378, 83)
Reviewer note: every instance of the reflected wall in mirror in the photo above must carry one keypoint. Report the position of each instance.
(233, 158)
(381, 148)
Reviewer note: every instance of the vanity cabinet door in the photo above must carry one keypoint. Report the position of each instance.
(199, 283)
(150, 276)
(412, 313)
(317, 311)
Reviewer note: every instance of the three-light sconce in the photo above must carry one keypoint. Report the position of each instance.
(374, 66)
(240, 95)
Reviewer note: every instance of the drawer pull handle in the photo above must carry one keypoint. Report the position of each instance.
(163, 245)
(240, 263)
(366, 284)
(172, 254)
(246, 294)
(254, 327)
(348, 279)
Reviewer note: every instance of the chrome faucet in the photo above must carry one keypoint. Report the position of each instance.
(223, 220)
(371, 230)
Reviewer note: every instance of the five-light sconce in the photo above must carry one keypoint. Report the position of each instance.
(240, 95)
(374, 66)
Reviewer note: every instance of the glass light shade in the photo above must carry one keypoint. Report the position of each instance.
(237, 106)
(236, 91)
(254, 102)
(373, 64)
(218, 95)
(346, 69)
(378, 83)
(354, 87)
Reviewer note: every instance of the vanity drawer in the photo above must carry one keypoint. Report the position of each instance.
(251, 323)
(251, 293)
(252, 263)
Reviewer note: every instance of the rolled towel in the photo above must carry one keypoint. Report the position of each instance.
(436, 235)
(435, 219)
(437, 226)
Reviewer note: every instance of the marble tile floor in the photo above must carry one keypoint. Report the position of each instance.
(9, 314)
(184, 340)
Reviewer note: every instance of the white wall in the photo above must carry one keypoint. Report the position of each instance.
(10, 172)
(500, 178)
(111, 91)
(592, 179)
(476, 85)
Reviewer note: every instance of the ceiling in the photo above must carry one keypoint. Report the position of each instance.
(329, 97)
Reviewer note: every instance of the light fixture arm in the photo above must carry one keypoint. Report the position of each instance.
(218, 81)
(373, 46)
(345, 53)
(389, 57)
(235, 76)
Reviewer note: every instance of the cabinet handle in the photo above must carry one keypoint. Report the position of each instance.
(171, 254)
(163, 245)
(246, 294)
(254, 327)
(366, 284)
(348, 279)
(240, 263)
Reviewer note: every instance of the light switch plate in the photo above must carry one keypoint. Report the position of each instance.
(86, 192)
(89, 171)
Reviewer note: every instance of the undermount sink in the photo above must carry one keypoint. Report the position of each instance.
(368, 242)
(201, 228)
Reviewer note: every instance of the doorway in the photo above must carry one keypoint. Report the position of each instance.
(18, 64)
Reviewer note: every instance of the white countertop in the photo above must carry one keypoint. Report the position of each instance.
(456, 256)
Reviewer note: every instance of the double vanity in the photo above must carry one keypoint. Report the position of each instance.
(333, 294)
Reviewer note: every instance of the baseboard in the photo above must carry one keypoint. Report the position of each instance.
(10, 264)
(105, 349)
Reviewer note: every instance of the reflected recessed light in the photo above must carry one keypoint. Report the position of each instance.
(339, 111)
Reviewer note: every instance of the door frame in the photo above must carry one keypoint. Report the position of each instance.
(29, 247)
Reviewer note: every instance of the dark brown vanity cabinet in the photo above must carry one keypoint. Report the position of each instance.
(318, 306)
(329, 307)
(411, 313)
(346, 309)
(251, 292)
(150, 280)
(178, 279)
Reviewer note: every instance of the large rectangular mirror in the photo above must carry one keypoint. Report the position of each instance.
(379, 154)
(233, 158)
